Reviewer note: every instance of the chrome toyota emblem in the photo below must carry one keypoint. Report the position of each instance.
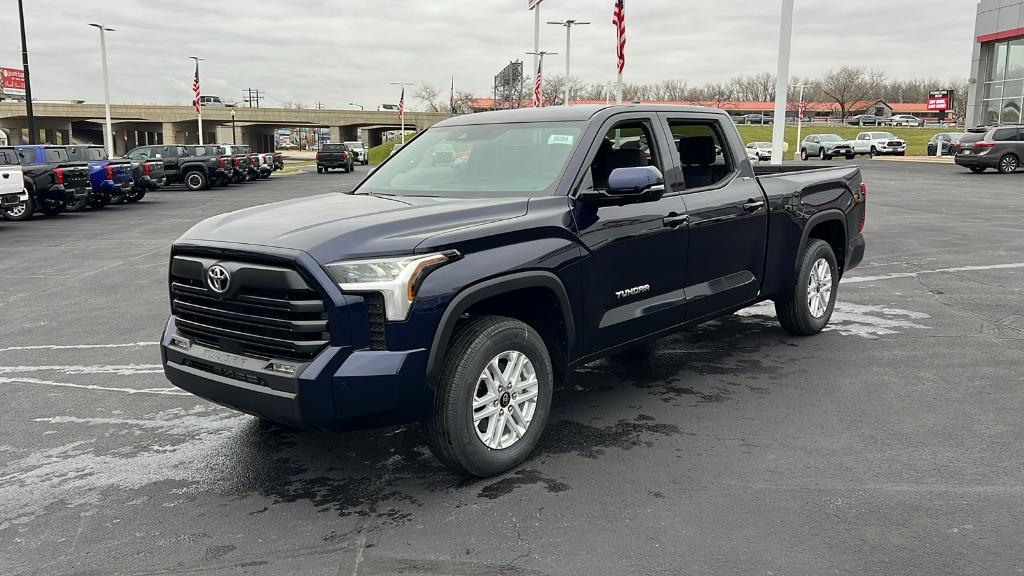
(217, 278)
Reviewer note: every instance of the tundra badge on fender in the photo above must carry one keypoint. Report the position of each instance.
(633, 291)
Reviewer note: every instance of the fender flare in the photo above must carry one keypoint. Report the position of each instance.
(823, 216)
(487, 289)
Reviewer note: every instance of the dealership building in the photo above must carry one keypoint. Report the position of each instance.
(996, 92)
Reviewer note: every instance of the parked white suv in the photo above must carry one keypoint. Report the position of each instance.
(12, 184)
(875, 143)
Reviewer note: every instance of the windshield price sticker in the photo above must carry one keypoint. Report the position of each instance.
(560, 139)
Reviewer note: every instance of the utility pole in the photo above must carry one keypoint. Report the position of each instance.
(108, 131)
(568, 28)
(30, 119)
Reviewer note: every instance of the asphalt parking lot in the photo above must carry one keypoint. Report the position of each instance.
(889, 444)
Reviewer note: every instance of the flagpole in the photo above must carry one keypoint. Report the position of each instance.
(199, 109)
(619, 20)
(401, 107)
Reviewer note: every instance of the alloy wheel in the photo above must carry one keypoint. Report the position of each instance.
(819, 288)
(1008, 164)
(505, 399)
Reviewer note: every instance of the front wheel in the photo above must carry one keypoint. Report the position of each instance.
(873, 152)
(493, 397)
(849, 156)
(1008, 164)
(821, 154)
(803, 154)
(20, 212)
(808, 306)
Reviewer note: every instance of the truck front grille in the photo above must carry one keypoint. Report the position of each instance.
(268, 312)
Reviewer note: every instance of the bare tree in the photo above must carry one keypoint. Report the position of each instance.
(959, 110)
(850, 85)
(430, 96)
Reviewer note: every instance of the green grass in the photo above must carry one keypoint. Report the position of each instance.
(917, 138)
(378, 154)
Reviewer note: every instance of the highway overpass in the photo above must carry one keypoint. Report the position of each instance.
(142, 124)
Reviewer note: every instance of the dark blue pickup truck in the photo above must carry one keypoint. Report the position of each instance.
(111, 180)
(495, 253)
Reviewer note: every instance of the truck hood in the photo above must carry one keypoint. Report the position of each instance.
(331, 227)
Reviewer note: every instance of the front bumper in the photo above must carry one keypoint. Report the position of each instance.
(340, 389)
(840, 152)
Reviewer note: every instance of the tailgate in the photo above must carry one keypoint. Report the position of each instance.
(156, 168)
(11, 181)
(122, 171)
(76, 176)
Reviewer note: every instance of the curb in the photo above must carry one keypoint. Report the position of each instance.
(925, 159)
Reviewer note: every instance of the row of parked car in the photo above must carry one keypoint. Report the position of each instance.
(858, 120)
(828, 146)
(52, 179)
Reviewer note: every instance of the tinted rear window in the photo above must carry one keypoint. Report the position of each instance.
(973, 137)
(1006, 134)
(56, 155)
(8, 158)
(333, 148)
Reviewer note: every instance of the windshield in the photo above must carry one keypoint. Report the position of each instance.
(830, 138)
(882, 135)
(479, 161)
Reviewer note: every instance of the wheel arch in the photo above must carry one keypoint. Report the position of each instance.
(521, 295)
(830, 226)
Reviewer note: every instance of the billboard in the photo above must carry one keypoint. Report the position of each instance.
(940, 100)
(12, 82)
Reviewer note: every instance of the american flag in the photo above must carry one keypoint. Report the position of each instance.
(537, 102)
(195, 90)
(619, 20)
(401, 104)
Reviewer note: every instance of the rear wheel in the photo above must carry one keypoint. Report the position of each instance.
(493, 397)
(51, 207)
(135, 195)
(22, 211)
(98, 202)
(1008, 164)
(78, 205)
(808, 306)
(196, 181)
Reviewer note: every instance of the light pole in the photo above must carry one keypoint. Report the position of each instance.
(30, 119)
(108, 133)
(199, 109)
(782, 80)
(360, 106)
(538, 83)
(401, 106)
(568, 28)
(234, 134)
(799, 116)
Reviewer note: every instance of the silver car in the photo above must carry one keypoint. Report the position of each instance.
(825, 146)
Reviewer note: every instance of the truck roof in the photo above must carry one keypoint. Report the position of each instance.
(566, 113)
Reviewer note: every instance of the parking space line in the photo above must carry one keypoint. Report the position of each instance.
(119, 369)
(161, 391)
(77, 346)
(858, 279)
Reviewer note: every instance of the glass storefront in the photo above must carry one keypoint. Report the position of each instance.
(1003, 95)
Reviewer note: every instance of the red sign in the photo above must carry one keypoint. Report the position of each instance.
(939, 100)
(12, 81)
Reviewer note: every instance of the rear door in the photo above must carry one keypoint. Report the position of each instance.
(1008, 142)
(728, 216)
(635, 270)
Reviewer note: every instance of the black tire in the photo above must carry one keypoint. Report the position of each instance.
(803, 154)
(78, 206)
(97, 203)
(849, 156)
(451, 432)
(976, 169)
(319, 169)
(23, 211)
(901, 153)
(51, 207)
(793, 309)
(135, 195)
(873, 152)
(195, 181)
(821, 153)
(1008, 164)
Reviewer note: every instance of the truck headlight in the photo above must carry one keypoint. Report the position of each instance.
(397, 278)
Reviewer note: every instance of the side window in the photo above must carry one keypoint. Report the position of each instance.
(182, 151)
(139, 154)
(703, 153)
(1005, 135)
(627, 144)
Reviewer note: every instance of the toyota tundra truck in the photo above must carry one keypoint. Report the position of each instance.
(456, 290)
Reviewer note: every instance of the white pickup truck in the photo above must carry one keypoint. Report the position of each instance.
(12, 184)
(875, 143)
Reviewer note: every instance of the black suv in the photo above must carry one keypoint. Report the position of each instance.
(999, 147)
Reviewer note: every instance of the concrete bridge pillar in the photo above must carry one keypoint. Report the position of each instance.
(168, 132)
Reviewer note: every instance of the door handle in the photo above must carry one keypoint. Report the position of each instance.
(674, 220)
(752, 205)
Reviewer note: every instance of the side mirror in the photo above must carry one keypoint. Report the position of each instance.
(628, 186)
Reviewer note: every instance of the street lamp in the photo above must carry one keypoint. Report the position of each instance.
(799, 115)
(30, 118)
(354, 104)
(401, 105)
(782, 81)
(568, 28)
(108, 133)
(234, 134)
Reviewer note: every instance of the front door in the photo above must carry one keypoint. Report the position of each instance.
(635, 270)
(728, 222)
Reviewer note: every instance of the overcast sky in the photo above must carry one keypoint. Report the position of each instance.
(341, 52)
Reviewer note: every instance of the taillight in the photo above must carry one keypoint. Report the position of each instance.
(864, 210)
(145, 168)
(58, 174)
(220, 162)
(110, 171)
(236, 162)
(983, 144)
(317, 155)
